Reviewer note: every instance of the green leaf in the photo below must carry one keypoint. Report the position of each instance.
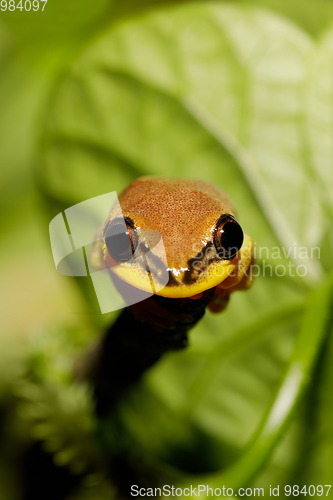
(227, 93)
(236, 106)
(307, 346)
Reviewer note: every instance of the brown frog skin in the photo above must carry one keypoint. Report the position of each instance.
(187, 214)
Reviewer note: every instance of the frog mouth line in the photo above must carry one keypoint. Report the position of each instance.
(195, 267)
(193, 273)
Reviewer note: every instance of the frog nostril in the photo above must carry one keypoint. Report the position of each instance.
(228, 237)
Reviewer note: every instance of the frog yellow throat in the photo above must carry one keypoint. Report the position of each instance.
(203, 247)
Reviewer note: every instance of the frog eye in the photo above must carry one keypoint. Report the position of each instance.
(121, 239)
(228, 237)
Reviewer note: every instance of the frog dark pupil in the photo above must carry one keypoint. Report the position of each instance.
(231, 238)
(118, 242)
(228, 237)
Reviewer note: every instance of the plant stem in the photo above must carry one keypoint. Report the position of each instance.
(136, 341)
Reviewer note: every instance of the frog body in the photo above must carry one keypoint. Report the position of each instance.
(205, 252)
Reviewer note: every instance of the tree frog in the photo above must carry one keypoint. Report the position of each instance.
(208, 256)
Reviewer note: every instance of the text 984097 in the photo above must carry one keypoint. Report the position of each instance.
(23, 5)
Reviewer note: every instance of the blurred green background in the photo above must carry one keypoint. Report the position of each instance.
(95, 94)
